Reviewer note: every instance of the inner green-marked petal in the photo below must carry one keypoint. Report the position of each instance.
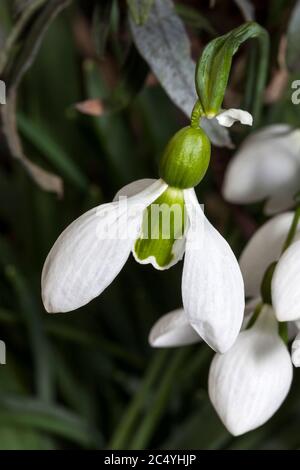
(163, 228)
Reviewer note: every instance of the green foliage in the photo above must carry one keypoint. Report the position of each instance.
(214, 66)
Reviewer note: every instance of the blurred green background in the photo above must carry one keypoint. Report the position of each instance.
(88, 379)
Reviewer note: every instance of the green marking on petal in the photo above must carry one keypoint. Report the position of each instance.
(163, 228)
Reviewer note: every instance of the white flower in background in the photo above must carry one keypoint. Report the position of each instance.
(249, 382)
(266, 167)
(227, 117)
(265, 247)
(81, 264)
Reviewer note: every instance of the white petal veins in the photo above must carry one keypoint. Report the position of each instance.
(212, 284)
(91, 251)
(248, 384)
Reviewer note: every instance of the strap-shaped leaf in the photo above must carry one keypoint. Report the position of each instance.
(214, 65)
(293, 40)
(164, 44)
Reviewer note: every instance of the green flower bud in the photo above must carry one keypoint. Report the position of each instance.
(186, 158)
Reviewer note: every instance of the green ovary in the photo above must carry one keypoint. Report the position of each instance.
(186, 158)
(164, 224)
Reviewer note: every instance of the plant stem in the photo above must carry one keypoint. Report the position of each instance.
(292, 231)
(41, 351)
(145, 431)
(264, 50)
(121, 436)
(197, 113)
(255, 315)
(17, 30)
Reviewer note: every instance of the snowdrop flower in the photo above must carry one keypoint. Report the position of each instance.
(90, 253)
(249, 383)
(265, 248)
(266, 167)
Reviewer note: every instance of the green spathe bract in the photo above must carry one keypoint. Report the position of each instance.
(164, 224)
(213, 67)
(186, 158)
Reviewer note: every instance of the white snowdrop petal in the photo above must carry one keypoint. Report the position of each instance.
(267, 164)
(173, 329)
(248, 384)
(91, 251)
(228, 117)
(134, 188)
(212, 284)
(285, 285)
(296, 351)
(262, 249)
(279, 202)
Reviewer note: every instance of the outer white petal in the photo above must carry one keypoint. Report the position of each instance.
(286, 285)
(296, 351)
(134, 188)
(173, 329)
(212, 284)
(230, 116)
(90, 253)
(248, 384)
(262, 249)
(267, 164)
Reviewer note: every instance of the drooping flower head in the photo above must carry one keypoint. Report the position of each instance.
(248, 383)
(158, 221)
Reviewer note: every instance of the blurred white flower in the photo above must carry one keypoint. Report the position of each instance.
(264, 247)
(81, 264)
(228, 117)
(296, 351)
(286, 284)
(266, 167)
(248, 384)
